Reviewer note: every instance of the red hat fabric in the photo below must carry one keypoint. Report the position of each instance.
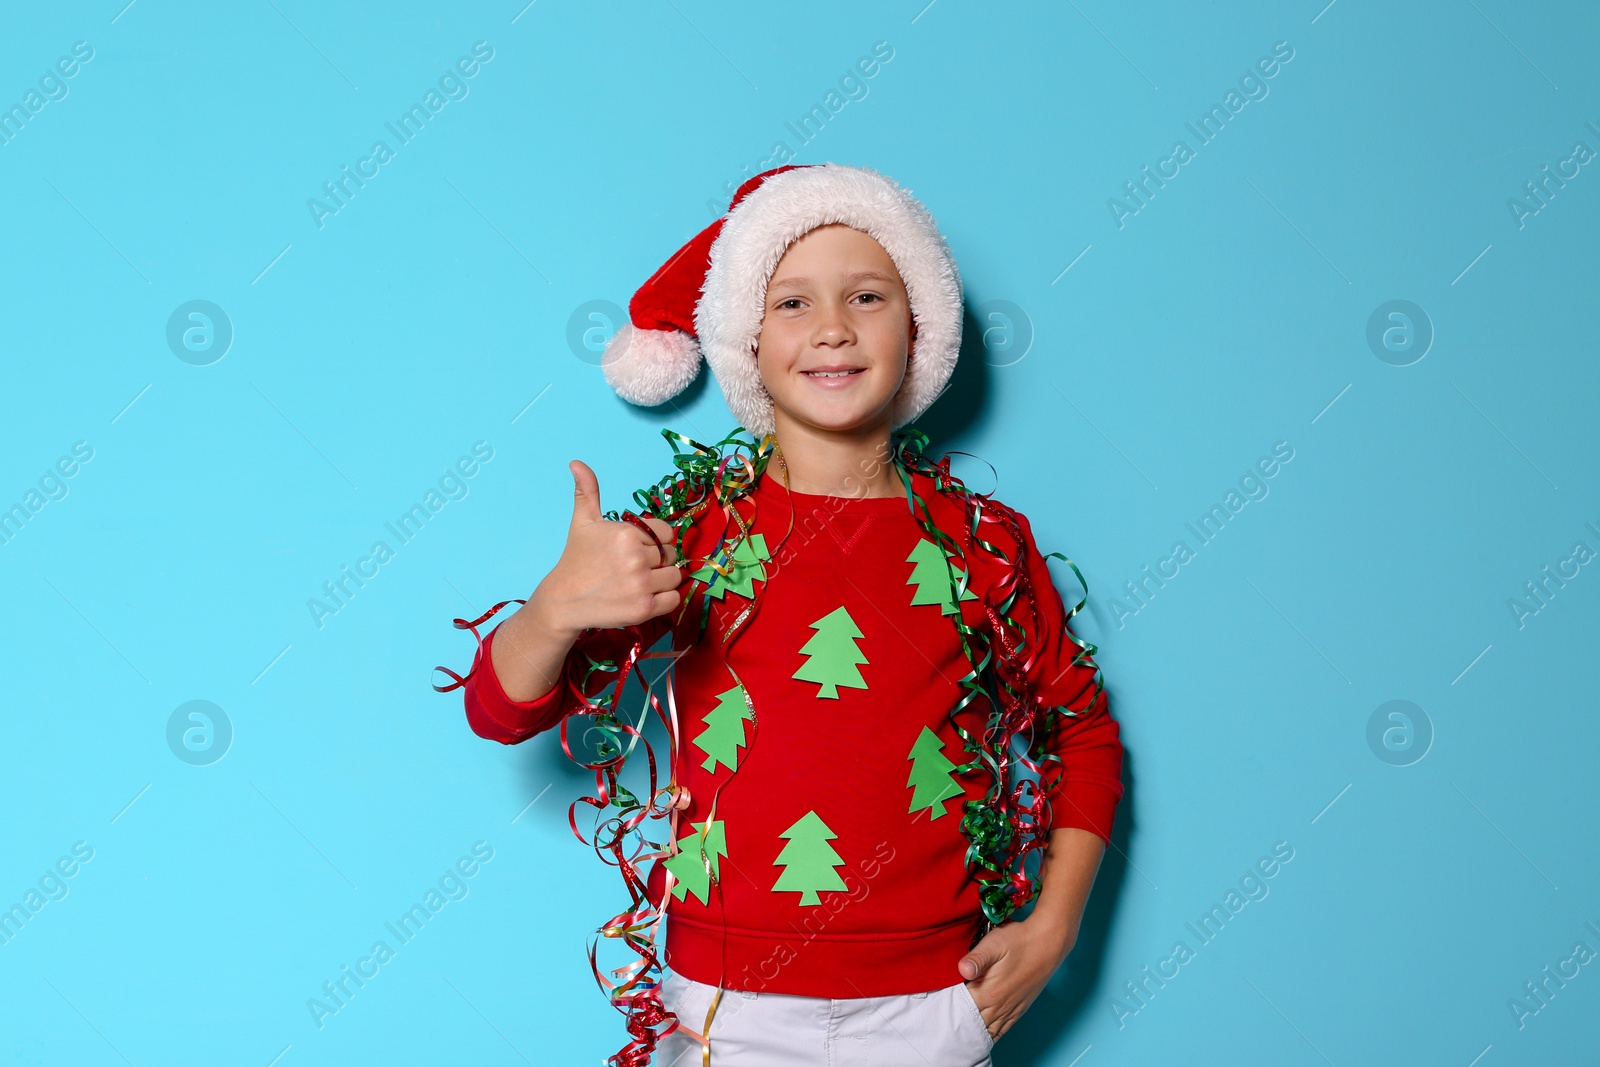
(707, 300)
(654, 356)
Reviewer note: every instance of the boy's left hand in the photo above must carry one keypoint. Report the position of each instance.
(1008, 969)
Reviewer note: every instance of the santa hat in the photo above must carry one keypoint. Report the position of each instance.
(708, 298)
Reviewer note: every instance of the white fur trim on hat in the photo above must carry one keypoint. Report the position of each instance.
(785, 208)
(649, 367)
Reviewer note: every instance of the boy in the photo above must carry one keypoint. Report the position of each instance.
(825, 638)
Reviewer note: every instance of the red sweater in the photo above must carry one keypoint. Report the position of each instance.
(836, 843)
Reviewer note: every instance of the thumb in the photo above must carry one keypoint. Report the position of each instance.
(586, 493)
(973, 965)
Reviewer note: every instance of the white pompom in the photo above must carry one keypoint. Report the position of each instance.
(649, 367)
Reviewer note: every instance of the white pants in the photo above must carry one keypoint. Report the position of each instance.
(942, 1028)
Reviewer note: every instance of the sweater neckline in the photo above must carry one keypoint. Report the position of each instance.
(769, 485)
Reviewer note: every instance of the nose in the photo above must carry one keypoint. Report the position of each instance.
(833, 325)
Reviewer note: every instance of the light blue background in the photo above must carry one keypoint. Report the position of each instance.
(1130, 393)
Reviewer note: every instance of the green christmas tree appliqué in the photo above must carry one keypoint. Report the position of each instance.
(808, 860)
(833, 654)
(743, 568)
(724, 733)
(931, 579)
(689, 868)
(930, 775)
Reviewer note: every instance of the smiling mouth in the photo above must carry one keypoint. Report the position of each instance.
(832, 373)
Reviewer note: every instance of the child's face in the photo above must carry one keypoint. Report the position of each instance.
(835, 302)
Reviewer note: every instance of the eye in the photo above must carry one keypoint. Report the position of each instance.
(874, 296)
(790, 300)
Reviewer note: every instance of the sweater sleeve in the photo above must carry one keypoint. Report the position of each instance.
(494, 715)
(1088, 741)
